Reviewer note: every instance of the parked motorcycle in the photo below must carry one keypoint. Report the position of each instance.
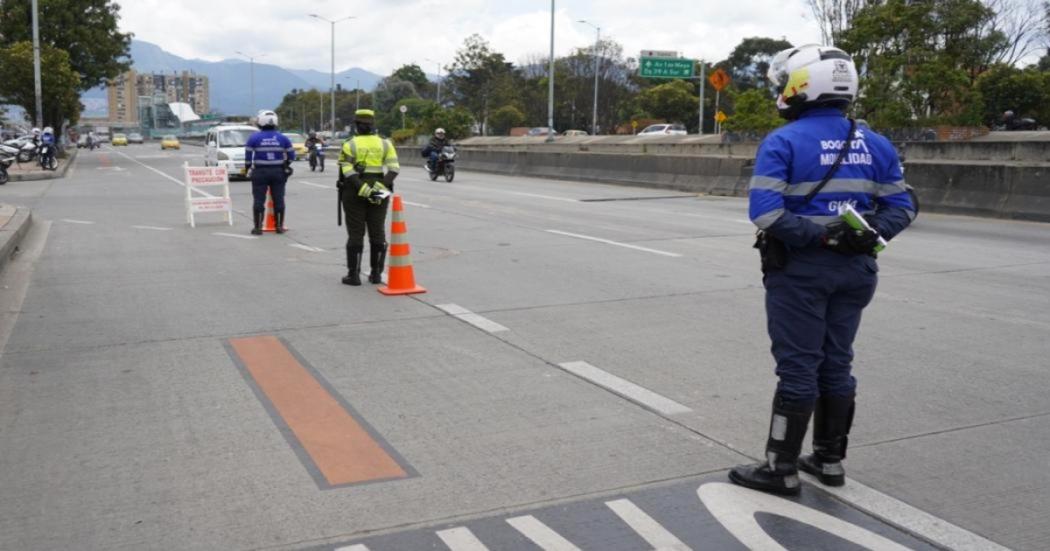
(317, 157)
(8, 154)
(445, 165)
(26, 148)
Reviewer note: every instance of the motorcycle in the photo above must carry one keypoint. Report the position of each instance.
(26, 148)
(317, 157)
(445, 165)
(46, 157)
(8, 155)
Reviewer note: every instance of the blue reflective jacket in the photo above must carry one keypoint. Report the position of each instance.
(792, 160)
(268, 148)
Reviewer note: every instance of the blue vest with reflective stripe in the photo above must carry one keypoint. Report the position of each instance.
(268, 148)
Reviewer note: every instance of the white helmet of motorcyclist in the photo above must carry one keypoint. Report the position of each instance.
(36, 131)
(49, 130)
(440, 132)
(812, 76)
(266, 118)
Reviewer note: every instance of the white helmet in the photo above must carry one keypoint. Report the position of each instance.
(36, 131)
(266, 118)
(49, 130)
(812, 76)
(439, 132)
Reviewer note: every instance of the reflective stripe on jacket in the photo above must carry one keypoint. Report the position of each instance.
(371, 151)
(268, 148)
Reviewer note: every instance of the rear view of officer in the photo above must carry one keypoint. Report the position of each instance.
(818, 273)
(268, 156)
(364, 191)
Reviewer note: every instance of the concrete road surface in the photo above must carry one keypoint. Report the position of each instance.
(587, 363)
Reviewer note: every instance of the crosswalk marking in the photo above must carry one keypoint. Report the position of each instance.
(540, 534)
(646, 527)
(461, 539)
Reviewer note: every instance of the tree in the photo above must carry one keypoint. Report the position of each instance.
(749, 61)
(480, 78)
(1006, 88)
(505, 118)
(835, 16)
(414, 74)
(59, 82)
(673, 101)
(755, 110)
(87, 29)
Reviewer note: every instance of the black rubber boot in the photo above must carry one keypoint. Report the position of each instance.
(278, 221)
(779, 473)
(353, 265)
(832, 420)
(257, 220)
(377, 256)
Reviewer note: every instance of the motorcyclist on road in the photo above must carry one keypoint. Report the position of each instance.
(433, 149)
(311, 146)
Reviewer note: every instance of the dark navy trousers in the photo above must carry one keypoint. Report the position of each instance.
(813, 314)
(268, 177)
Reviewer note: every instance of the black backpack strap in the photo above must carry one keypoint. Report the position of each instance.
(834, 167)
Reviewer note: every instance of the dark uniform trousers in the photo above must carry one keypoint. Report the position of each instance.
(268, 177)
(361, 216)
(813, 314)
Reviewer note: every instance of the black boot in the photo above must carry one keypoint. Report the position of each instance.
(257, 220)
(377, 255)
(353, 265)
(779, 473)
(832, 420)
(278, 218)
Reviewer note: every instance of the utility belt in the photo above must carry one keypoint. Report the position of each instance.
(772, 252)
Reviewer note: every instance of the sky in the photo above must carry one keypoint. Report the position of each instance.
(387, 34)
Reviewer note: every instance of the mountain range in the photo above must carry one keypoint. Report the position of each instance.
(229, 80)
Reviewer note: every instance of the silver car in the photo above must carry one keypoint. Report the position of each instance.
(664, 130)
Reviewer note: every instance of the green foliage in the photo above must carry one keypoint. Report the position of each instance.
(749, 61)
(480, 79)
(59, 82)
(87, 29)
(1025, 92)
(456, 121)
(755, 110)
(403, 136)
(920, 60)
(673, 101)
(505, 118)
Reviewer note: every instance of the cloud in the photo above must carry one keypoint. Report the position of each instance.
(389, 33)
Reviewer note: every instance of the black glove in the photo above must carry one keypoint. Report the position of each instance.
(388, 180)
(288, 169)
(845, 240)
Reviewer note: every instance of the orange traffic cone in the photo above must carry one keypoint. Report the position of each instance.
(400, 277)
(270, 222)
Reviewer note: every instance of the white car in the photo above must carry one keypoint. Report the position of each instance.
(664, 130)
(224, 146)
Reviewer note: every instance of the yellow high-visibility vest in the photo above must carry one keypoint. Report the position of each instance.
(372, 151)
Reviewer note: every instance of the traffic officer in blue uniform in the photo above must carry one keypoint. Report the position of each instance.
(268, 156)
(819, 274)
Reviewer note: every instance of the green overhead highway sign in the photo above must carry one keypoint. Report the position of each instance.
(664, 67)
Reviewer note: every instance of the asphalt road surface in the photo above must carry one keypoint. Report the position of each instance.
(587, 363)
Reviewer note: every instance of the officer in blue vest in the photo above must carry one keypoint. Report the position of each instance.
(819, 274)
(268, 156)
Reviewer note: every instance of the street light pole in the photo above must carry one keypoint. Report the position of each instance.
(37, 89)
(550, 86)
(438, 63)
(332, 90)
(251, 65)
(597, 43)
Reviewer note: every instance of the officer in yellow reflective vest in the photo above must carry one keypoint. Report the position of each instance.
(364, 191)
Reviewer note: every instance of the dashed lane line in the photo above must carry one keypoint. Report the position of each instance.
(221, 234)
(616, 243)
(905, 516)
(645, 526)
(71, 221)
(480, 322)
(176, 180)
(541, 534)
(154, 228)
(420, 205)
(461, 539)
(637, 394)
(306, 247)
(322, 186)
(356, 547)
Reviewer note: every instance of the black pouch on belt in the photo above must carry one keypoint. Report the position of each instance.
(771, 251)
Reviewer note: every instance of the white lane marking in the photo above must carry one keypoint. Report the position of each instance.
(77, 221)
(735, 507)
(461, 539)
(173, 179)
(420, 205)
(322, 186)
(157, 228)
(540, 534)
(625, 388)
(913, 520)
(306, 247)
(617, 243)
(646, 527)
(480, 322)
(220, 234)
(354, 547)
(539, 196)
